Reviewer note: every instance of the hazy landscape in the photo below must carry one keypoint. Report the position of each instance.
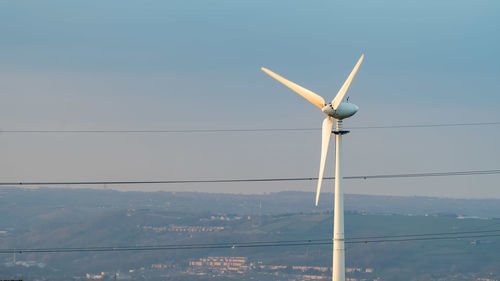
(188, 140)
(56, 218)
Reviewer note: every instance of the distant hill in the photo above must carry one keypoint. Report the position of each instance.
(272, 203)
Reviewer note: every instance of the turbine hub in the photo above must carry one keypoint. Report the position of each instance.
(344, 110)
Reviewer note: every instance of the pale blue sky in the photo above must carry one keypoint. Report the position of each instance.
(195, 65)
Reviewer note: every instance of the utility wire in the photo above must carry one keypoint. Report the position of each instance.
(233, 245)
(421, 239)
(360, 177)
(426, 125)
(425, 234)
(250, 130)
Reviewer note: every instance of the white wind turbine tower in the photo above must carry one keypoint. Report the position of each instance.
(337, 110)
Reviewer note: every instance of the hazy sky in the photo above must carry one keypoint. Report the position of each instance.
(70, 65)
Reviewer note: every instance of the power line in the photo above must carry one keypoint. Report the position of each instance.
(425, 234)
(247, 130)
(235, 245)
(426, 125)
(360, 177)
(423, 239)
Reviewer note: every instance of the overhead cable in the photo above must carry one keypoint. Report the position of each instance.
(235, 245)
(359, 177)
(249, 130)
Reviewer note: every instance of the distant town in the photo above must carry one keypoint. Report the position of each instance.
(233, 267)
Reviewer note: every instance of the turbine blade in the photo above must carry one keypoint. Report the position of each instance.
(325, 140)
(312, 97)
(340, 95)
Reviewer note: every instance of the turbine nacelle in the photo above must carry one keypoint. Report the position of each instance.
(343, 110)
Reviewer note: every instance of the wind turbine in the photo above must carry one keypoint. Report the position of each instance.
(336, 110)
